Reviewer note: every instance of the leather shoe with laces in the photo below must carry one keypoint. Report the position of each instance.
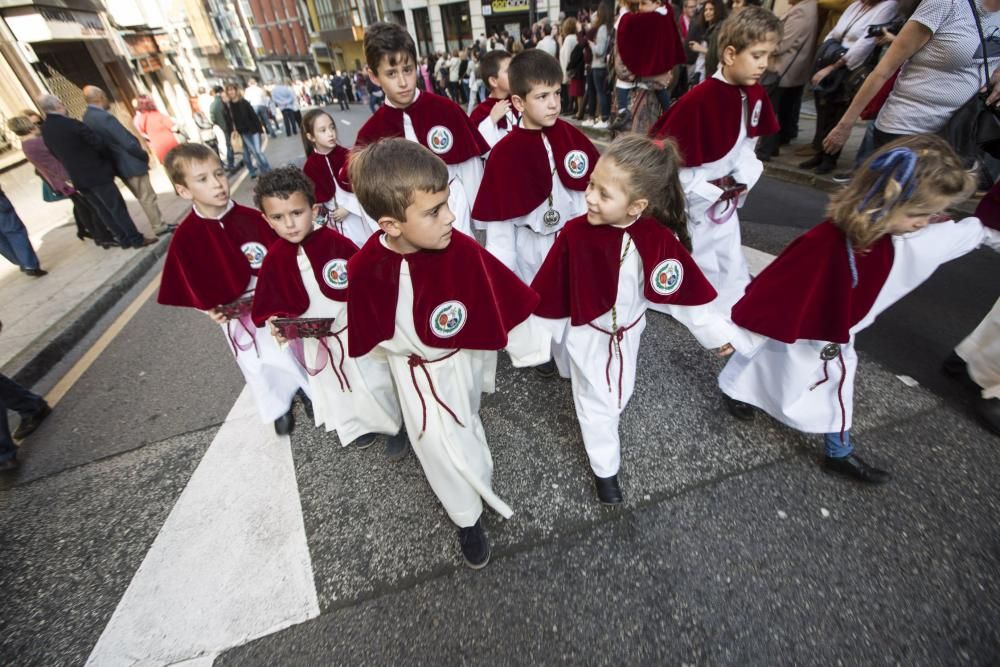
(852, 466)
(475, 545)
(31, 421)
(739, 409)
(608, 490)
(285, 424)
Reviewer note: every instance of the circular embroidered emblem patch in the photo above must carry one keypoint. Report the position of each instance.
(254, 252)
(755, 116)
(335, 273)
(440, 139)
(576, 163)
(448, 319)
(667, 276)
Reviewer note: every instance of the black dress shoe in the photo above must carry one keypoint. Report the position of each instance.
(548, 369)
(397, 446)
(812, 162)
(285, 424)
(739, 409)
(827, 164)
(31, 422)
(988, 410)
(608, 491)
(307, 404)
(475, 546)
(365, 441)
(852, 466)
(35, 273)
(954, 366)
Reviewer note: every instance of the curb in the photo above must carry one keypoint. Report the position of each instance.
(31, 364)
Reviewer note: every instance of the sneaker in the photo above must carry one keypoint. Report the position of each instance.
(35, 273)
(364, 441)
(601, 125)
(31, 422)
(475, 546)
(842, 176)
(589, 122)
(397, 446)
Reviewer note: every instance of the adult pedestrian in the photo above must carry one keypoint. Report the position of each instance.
(945, 67)
(376, 96)
(33, 410)
(15, 246)
(155, 127)
(222, 127)
(455, 77)
(441, 70)
(548, 42)
(601, 39)
(51, 171)
(568, 31)
(284, 98)
(87, 160)
(129, 157)
(257, 97)
(340, 91)
(348, 88)
(831, 81)
(703, 39)
(248, 126)
(791, 66)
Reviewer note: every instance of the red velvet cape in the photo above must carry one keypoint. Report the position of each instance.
(806, 293)
(517, 177)
(428, 112)
(322, 170)
(208, 264)
(705, 121)
(579, 277)
(988, 210)
(494, 298)
(280, 290)
(649, 43)
(485, 108)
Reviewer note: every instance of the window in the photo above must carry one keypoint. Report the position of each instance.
(457, 26)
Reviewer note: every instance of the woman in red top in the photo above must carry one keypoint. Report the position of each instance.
(156, 128)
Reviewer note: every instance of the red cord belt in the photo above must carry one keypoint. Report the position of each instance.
(615, 346)
(416, 361)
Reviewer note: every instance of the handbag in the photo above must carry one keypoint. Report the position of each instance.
(974, 126)
(50, 195)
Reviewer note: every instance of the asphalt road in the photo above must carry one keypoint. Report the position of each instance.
(732, 548)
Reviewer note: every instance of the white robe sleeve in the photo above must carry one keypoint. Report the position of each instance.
(529, 343)
(969, 234)
(711, 329)
(749, 167)
(501, 243)
(699, 193)
(490, 132)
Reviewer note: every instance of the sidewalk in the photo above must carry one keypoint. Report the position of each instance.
(44, 317)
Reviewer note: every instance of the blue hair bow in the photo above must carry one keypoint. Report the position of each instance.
(898, 164)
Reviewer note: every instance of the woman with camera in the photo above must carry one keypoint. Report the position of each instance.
(840, 61)
(944, 67)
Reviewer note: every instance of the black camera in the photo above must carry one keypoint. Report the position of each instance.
(877, 29)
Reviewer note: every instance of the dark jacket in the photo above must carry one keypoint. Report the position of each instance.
(127, 154)
(81, 150)
(245, 120)
(218, 113)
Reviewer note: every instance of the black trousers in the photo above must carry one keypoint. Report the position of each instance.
(14, 397)
(88, 224)
(291, 126)
(787, 103)
(107, 201)
(828, 114)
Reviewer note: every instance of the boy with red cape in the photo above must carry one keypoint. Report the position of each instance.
(716, 125)
(437, 307)
(495, 116)
(212, 265)
(430, 120)
(302, 292)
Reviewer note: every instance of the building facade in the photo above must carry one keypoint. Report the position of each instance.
(283, 29)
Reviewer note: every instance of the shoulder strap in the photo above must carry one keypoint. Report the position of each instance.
(982, 41)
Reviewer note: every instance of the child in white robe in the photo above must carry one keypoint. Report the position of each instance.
(495, 116)
(805, 309)
(302, 292)
(605, 269)
(437, 307)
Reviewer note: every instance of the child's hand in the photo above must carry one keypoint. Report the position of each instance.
(500, 110)
(339, 214)
(217, 316)
(274, 330)
(725, 350)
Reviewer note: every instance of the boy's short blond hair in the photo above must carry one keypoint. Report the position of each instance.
(748, 27)
(386, 174)
(180, 156)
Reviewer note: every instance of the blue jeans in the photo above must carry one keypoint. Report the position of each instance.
(663, 97)
(14, 397)
(622, 96)
(14, 243)
(837, 448)
(252, 154)
(265, 120)
(599, 80)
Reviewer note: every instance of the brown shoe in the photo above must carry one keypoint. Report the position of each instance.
(146, 241)
(805, 149)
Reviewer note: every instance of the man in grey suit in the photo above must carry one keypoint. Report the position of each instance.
(130, 159)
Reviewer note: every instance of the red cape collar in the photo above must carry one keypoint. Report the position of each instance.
(806, 293)
(463, 297)
(485, 108)
(579, 278)
(517, 177)
(705, 121)
(209, 262)
(280, 290)
(439, 124)
(325, 170)
(649, 43)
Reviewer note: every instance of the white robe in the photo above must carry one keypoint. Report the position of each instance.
(981, 351)
(492, 132)
(718, 248)
(456, 459)
(598, 402)
(370, 404)
(785, 380)
(357, 226)
(272, 373)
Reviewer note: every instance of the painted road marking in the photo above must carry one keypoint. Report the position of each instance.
(231, 562)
